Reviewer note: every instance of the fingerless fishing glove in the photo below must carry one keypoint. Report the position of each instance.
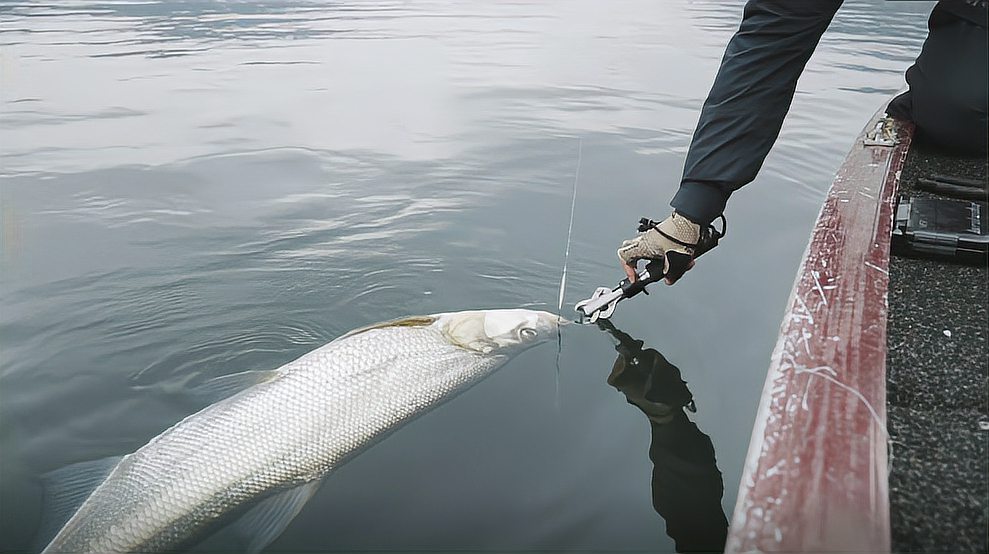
(673, 240)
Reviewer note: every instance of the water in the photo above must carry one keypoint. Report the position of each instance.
(191, 189)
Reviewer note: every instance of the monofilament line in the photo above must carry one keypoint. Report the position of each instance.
(563, 276)
(566, 254)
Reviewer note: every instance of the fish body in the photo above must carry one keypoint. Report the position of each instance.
(307, 418)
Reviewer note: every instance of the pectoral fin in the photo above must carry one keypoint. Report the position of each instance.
(263, 523)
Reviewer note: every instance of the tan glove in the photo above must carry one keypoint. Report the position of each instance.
(672, 241)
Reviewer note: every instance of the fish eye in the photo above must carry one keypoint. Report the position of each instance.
(527, 333)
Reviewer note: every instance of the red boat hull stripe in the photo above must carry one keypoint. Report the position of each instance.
(815, 478)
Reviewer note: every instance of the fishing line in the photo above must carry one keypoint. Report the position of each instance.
(566, 254)
(563, 275)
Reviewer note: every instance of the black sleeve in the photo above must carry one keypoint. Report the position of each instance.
(744, 111)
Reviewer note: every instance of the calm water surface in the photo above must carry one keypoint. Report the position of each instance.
(197, 188)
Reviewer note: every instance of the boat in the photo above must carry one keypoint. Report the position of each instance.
(846, 381)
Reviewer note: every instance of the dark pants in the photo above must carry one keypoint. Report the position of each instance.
(947, 99)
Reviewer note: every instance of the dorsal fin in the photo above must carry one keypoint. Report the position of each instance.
(410, 321)
(66, 489)
(224, 386)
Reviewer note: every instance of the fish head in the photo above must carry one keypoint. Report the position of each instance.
(498, 331)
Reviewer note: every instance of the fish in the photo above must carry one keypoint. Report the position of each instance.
(257, 456)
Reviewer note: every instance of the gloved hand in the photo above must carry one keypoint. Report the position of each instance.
(672, 241)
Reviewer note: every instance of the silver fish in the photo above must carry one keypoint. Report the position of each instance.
(270, 445)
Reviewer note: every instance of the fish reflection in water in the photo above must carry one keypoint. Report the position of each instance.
(686, 484)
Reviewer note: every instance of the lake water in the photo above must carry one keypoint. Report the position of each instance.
(196, 188)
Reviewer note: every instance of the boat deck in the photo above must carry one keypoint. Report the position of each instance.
(872, 433)
(938, 401)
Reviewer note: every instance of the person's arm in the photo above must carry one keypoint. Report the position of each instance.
(739, 123)
(748, 101)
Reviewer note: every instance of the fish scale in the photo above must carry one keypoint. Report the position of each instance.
(314, 415)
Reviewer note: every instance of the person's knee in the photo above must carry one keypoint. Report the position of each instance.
(953, 125)
(948, 97)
